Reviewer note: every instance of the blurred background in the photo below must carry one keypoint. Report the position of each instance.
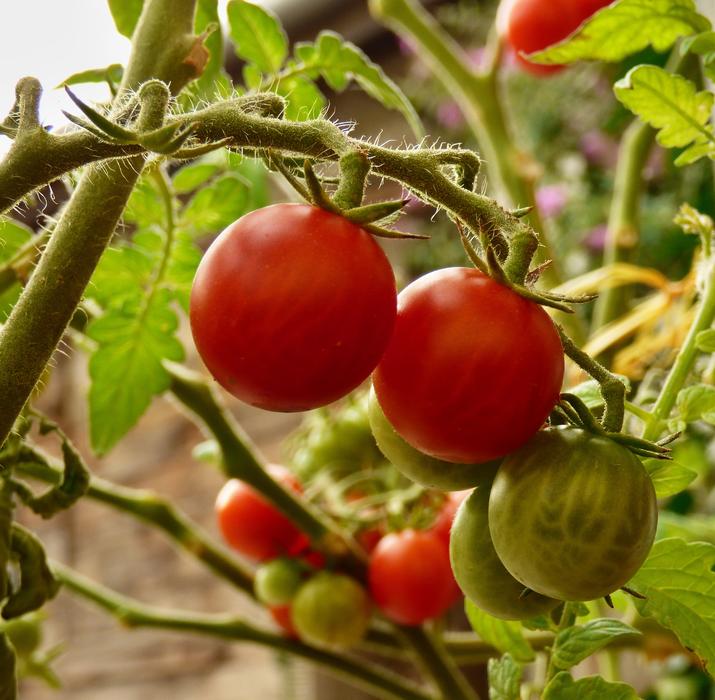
(570, 122)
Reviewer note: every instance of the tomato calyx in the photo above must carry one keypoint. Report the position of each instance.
(576, 413)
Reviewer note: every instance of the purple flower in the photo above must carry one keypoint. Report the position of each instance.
(599, 149)
(450, 115)
(551, 199)
(476, 57)
(595, 239)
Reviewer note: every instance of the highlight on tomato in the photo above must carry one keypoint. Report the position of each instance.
(472, 369)
(292, 307)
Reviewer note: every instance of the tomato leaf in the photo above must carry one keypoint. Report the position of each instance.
(577, 643)
(625, 28)
(304, 99)
(257, 35)
(678, 583)
(668, 478)
(126, 369)
(504, 678)
(338, 62)
(507, 637)
(125, 14)
(590, 391)
(691, 528)
(563, 687)
(13, 235)
(705, 340)
(191, 177)
(671, 104)
(110, 74)
(181, 268)
(696, 402)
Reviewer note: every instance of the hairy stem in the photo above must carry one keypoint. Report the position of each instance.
(39, 319)
(130, 613)
(152, 509)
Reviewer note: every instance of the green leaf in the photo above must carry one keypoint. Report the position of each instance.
(145, 206)
(696, 402)
(192, 176)
(563, 687)
(207, 19)
(339, 61)
(111, 74)
(126, 14)
(574, 644)
(700, 44)
(257, 35)
(668, 477)
(304, 99)
(504, 678)
(691, 528)
(13, 235)
(705, 340)
(678, 583)
(181, 269)
(669, 103)
(126, 369)
(625, 28)
(507, 637)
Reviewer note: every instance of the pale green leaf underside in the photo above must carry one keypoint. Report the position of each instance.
(669, 103)
(679, 585)
(577, 643)
(563, 687)
(669, 477)
(257, 35)
(625, 28)
(502, 635)
(125, 14)
(504, 678)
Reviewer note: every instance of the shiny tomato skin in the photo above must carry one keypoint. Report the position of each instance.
(283, 616)
(443, 522)
(253, 526)
(292, 307)
(410, 577)
(472, 369)
(533, 25)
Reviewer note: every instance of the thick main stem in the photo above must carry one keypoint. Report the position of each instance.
(38, 320)
(381, 683)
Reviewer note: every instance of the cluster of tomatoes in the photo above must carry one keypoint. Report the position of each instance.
(408, 575)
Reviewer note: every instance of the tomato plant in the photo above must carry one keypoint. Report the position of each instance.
(572, 515)
(253, 526)
(277, 582)
(292, 286)
(410, 577)
(283, 616)
(462, 343)
(331, 610)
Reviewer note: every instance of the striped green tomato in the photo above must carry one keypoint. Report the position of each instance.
(572, 515)
(477, 568)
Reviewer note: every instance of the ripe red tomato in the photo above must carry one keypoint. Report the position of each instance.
(410, 576)
(253, 526)
(472, 369)
(532, 25)
(292, 307)
(283, 617)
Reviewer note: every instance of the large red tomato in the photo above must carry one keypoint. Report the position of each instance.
(472, 369)
(253, 526)
(410, 576)
(292, 307)
(532, 25)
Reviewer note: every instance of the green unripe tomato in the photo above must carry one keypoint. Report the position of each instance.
(277, 582)
(331, 610)
(477, 568)
(572, 514)
(25, 634)
(417, 466)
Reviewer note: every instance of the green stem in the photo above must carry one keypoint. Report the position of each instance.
(364, 674)
(28, 339)
(6, 509)
(568, 618)
(241, 461)
(433, 657)
(8, 681)
(685, 358)
(622, 234)
(511, 170)
(154, 510)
